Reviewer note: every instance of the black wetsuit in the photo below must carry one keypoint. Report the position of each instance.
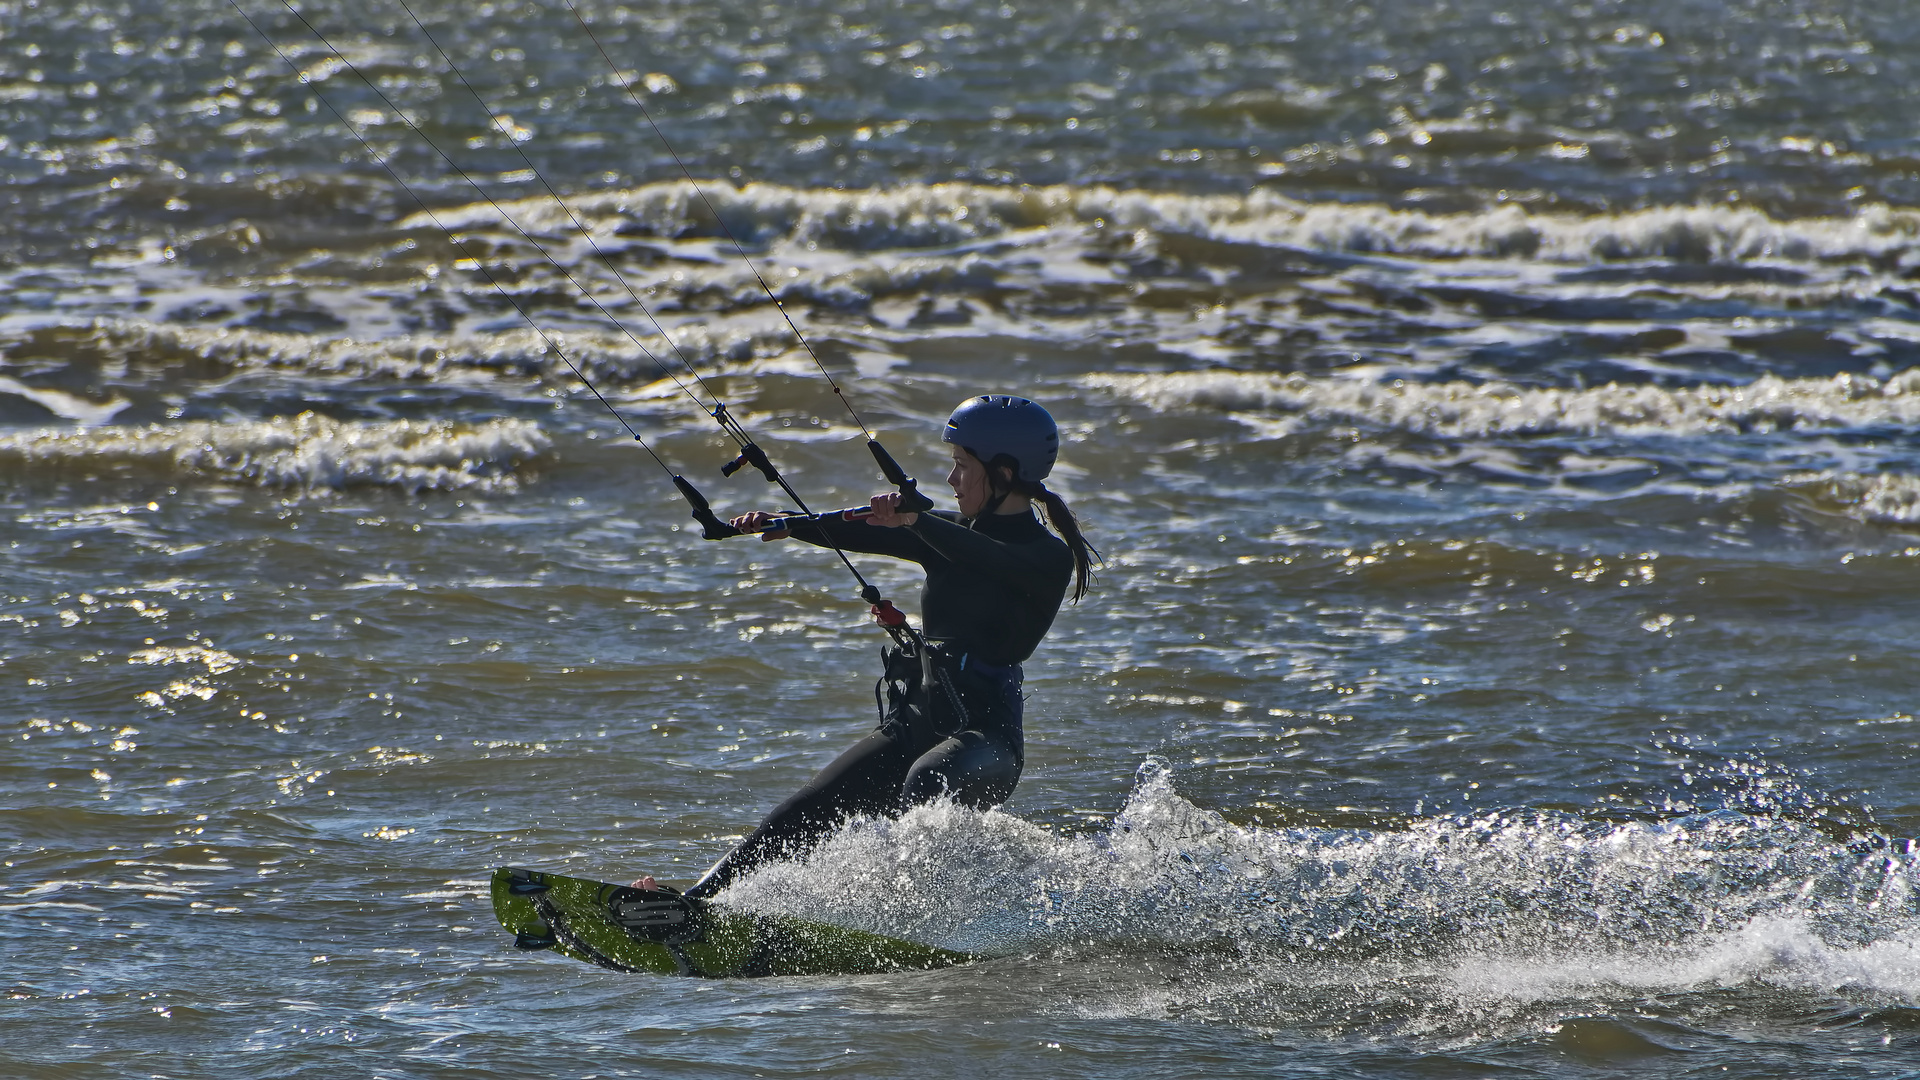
(994, 584)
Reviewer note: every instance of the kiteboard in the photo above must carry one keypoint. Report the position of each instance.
(662, 932)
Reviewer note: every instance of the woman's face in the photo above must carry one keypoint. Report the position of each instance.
(969, 480)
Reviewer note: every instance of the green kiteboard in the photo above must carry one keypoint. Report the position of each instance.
(661, 932)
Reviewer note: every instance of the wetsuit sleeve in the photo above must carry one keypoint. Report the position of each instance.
(901, 543)
(1028, 567)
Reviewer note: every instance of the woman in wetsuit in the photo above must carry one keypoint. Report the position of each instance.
(995, 579)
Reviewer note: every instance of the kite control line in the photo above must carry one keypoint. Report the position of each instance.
(911, 500)
(749, 452)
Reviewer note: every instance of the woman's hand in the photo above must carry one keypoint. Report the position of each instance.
(753, 523)
(886, 512)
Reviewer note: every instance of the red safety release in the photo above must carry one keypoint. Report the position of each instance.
(886, 614)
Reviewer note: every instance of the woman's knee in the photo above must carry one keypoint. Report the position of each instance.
(970, 768)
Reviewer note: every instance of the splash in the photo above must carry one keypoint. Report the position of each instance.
(1702, 898)
(307, 451)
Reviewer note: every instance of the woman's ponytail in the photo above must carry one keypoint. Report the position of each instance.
(1060, 516)
(1003, 476)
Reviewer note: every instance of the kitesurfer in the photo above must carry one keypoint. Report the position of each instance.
(951, 723)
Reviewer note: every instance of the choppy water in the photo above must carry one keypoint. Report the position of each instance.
(1498, 420)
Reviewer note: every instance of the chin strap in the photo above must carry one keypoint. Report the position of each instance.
(993, 504)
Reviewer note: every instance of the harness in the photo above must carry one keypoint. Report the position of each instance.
(928, 691)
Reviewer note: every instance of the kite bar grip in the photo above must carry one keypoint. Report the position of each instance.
(911, 501)
(711, 527)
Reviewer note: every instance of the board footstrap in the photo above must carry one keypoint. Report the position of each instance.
(663, 916)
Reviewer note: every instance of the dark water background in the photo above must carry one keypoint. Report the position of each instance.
(1498, 420)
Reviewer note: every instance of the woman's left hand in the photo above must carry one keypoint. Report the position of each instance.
(886, 512)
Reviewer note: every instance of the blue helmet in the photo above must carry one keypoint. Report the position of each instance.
(993, 425)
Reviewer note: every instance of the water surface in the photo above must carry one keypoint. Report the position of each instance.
(1498, 423)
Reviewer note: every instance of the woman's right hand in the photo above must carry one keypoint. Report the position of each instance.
(757, 520)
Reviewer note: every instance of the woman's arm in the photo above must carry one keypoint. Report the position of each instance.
(866, 536)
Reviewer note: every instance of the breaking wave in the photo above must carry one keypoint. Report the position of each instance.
(918, 216)
(307, 451)
(1462, 409)
(1259, 280)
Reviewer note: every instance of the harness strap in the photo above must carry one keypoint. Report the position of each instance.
(912, 671)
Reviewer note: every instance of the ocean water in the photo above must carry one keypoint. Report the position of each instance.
(1498, 421)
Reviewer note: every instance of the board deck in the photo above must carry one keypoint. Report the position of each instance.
(665, 933)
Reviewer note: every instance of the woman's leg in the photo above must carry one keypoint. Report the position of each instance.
(974, 768)
(980, 765)
(865, 779)
(889, 770)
